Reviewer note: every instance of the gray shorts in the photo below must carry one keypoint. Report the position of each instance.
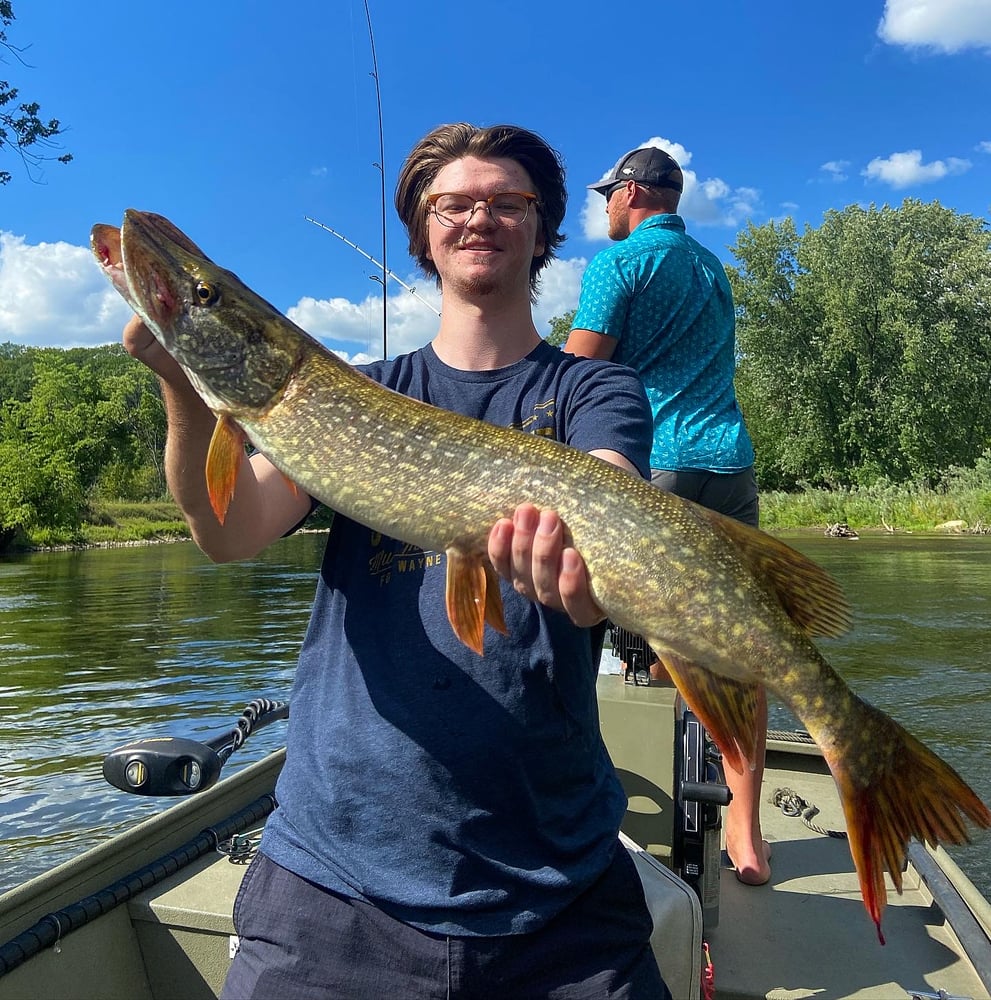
(731, 493)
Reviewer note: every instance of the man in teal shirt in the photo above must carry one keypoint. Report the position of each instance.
(659, 302)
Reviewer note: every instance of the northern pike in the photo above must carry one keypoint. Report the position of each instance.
(727, 607)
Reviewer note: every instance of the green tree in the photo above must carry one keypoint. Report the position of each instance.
(560, 328)
(21, 128)
(16, 366)
(52, 450)
(865, 345)
(75, 426)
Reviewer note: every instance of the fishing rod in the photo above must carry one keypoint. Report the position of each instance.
(169, 765)
(391, 274)
(381, 169)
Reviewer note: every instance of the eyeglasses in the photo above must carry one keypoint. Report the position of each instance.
(609, 192)
(508, 209)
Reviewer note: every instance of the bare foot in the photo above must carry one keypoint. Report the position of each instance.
(752, 868)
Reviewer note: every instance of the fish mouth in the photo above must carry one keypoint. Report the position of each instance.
(149, 261)
(104, 241)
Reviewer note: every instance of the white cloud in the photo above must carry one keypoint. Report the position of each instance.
(559, 288)
(412, 320)
(835, 170)
(905, 169)
(54, 294)
(943, 25)
(983, 147)
(706, 202)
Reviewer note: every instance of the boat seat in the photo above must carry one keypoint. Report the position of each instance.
(677, 914)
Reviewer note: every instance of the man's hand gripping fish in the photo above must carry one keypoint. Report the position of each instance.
(726, 607)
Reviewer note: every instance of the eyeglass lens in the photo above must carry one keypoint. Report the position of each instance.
(506, 209)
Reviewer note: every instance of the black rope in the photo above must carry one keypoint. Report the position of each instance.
(51, 928)
(792, 804)
(259, 713)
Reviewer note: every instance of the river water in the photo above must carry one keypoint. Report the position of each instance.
(101, 647)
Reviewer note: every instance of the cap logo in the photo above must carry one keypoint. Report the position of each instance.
(629, 170)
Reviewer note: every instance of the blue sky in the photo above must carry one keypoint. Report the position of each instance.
(238, 118)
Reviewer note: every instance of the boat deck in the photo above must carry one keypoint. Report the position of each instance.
(804, 935)
(814, 937)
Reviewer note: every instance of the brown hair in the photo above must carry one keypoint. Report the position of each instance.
(659, 199)
(447, 143)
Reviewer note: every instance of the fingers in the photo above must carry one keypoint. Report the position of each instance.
(532, 551)
(137, 337)
(576, 594)
(141, 344)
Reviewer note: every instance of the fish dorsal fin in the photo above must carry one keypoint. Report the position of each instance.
(223, 459)
(726, 707)
(473, 598)
(809, 595)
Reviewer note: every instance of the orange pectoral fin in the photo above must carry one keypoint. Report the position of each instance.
(473, 598)
(727, 709)
(493, 600)
(222, 462)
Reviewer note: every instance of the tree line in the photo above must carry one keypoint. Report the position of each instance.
(865, 345)
(864, 358)
(76, 427)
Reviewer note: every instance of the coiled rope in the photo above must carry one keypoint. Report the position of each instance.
(792, 804)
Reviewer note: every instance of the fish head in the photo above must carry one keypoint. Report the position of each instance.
(230, 342)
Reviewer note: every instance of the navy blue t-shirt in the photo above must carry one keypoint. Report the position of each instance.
(463, 794)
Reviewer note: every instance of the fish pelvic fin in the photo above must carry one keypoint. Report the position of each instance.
(223, 460)
(809, 595)
(726, 707)
(901, 790)
(473, 598)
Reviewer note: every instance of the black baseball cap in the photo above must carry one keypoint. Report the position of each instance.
(648, 165)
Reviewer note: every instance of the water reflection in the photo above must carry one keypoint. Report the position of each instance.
(100, 647)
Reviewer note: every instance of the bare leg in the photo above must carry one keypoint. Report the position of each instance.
(745, 845)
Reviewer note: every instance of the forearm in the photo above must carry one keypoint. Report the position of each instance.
(264, 505)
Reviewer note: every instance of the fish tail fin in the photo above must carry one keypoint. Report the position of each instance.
(908, 792)
(223, 459)
(727, 708)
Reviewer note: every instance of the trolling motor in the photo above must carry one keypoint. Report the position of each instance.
(169, 765)
(701, 791)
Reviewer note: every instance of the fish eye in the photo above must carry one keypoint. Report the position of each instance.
(206, 294)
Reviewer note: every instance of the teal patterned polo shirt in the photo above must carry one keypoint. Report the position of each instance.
(667, 301)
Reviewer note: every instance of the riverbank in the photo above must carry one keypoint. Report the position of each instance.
(964, 509)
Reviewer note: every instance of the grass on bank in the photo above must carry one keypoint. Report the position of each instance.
(118, 522)
(965, 496)
(864, 509)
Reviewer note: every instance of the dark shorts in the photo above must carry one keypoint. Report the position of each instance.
(298, 940)
(731, 493)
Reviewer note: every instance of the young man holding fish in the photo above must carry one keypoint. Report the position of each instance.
(447, 822)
